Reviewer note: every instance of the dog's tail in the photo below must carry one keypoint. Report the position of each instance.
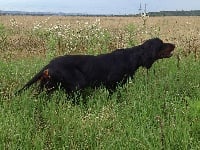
(39, 76)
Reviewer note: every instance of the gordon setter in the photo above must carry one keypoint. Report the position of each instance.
(77, 72)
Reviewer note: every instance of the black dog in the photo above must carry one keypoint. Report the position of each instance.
(76, 72)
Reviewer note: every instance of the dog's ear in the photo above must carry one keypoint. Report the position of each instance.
(153, 45)
(150, 50)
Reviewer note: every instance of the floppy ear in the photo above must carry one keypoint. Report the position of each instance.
(150, 50)
(153, 45)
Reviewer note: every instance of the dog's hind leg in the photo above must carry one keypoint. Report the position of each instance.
(47, 82)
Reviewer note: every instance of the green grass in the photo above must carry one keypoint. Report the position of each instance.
(155, 111)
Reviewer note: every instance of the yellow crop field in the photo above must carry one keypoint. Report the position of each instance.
(33, 35)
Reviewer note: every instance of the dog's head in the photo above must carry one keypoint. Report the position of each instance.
(155, 49)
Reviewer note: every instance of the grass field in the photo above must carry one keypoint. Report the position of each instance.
(158, 110)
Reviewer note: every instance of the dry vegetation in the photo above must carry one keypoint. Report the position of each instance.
(23, 36)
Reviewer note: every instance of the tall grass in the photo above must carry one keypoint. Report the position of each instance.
(155, 111)
(158, 110)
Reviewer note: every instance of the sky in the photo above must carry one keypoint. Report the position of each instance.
(118, 7)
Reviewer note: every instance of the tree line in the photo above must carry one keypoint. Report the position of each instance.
(161, 13)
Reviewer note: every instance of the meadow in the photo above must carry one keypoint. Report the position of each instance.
(158, 110)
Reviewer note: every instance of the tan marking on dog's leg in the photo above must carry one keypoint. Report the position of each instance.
(46, 73)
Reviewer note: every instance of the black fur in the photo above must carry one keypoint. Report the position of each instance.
(76, 72)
